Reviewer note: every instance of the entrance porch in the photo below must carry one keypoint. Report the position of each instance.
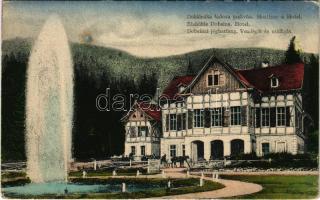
(216, 148)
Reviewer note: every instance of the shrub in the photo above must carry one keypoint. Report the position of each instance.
(277, 160)
(18, 182)
(245, 156)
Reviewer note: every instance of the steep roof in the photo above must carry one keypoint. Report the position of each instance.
(290, 77)
(173, 88)
(151, 110)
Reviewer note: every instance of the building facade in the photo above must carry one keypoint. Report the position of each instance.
(222, 111)
(143, 130)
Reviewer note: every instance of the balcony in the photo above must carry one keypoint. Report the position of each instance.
(141, 139)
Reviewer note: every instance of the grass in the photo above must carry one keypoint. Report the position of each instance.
(179, 186)
(281, 187)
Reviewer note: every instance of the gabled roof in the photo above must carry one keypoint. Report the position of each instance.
(290, 77)
(173, 88)
(211, 60)
(149, 109)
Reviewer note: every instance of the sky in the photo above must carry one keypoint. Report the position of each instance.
(157, 29)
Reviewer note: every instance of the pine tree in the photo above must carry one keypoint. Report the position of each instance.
(292, 55)
(314, 88)
(310, 94)
(13, 108)
(143, 84)
(189, 68)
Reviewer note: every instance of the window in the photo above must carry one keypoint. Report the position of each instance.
(281, 116)
(133, 150)
(198, 118)
(214, 78)
(216, 117)
(281, 147)
(142, 131)
(183, 150)
(236, 115)
(176, 122)
(274, 82)
(265, 148)
(173, 121)
(173, 151)
(265, 117)
(133, 132)
(210, 80)
(143, 150)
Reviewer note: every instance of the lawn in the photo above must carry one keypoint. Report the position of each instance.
(281, 187)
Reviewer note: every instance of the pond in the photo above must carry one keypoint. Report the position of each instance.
(59, 188)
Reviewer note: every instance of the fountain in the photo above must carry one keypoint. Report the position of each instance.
(49, 105)
(49, 112)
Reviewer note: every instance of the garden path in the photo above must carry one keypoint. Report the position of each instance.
(232, 188)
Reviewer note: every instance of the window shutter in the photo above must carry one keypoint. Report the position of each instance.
(297, 118)
(288, 116)
(258, 115)
(207, 118)
(221, 79)
(273, 117)
(190, 119)
(167, 122)
(251, 117)
(184, 121)
(179, 121)
(225, 117)
(244, 116)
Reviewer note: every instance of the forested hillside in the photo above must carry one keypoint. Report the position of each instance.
(96, 61)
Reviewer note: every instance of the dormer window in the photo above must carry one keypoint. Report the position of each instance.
(274, 82)
(265, 64)
(181, 87)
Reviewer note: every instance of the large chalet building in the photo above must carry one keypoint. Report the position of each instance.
(222, 111)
